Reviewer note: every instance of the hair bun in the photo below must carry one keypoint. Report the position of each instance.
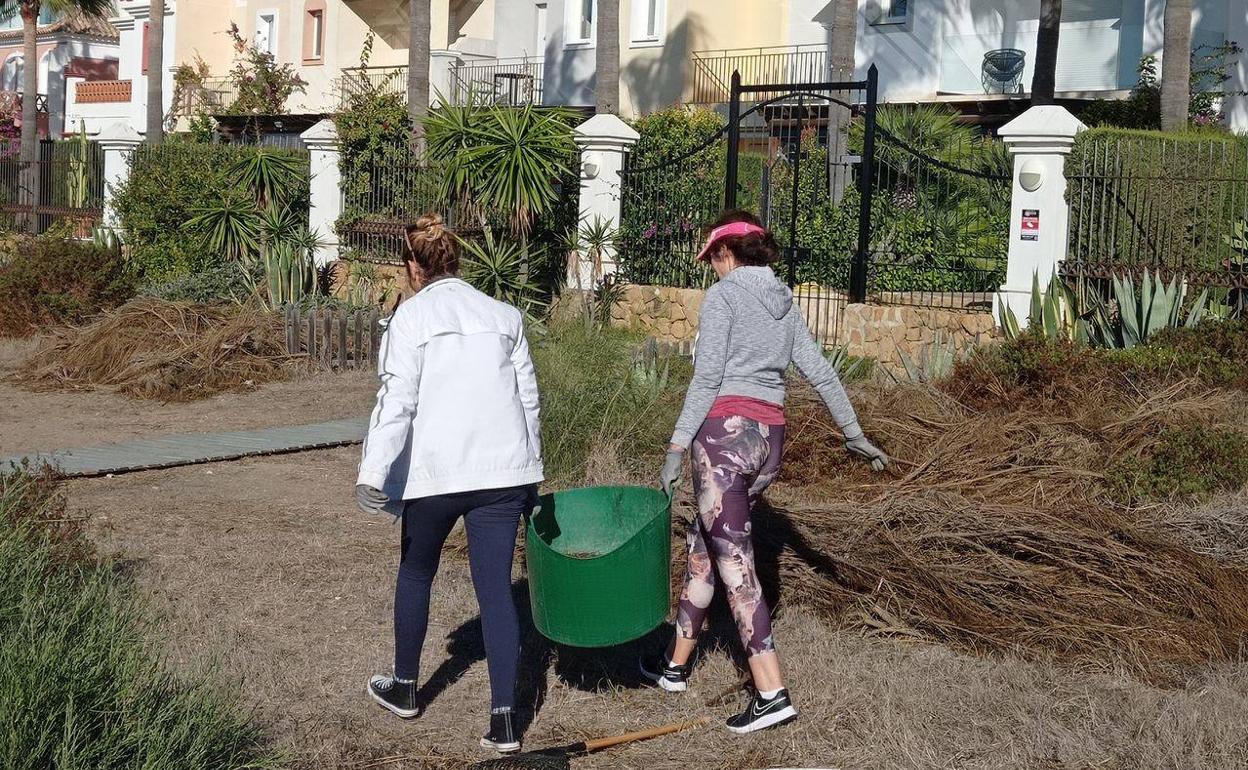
(430, 227)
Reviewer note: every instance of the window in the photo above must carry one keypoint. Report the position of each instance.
(581, 21)
(892, 12)
(266, 32)
(314, 32)
(649, 20)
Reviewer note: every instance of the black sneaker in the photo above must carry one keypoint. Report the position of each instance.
(659, 669)
(395, 695)
(502, 735)
(763, 713)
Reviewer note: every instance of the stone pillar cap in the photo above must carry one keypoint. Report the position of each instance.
(605, 131)
(119, 134)
(1040, 125)
(323, 133)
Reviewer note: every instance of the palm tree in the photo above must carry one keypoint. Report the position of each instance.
(418, 54)
(30, 10)
(842, 41)
(156, 73)
(1176, 65)
(607, 63)
(1044, 81)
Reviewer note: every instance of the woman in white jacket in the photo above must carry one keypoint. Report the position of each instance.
(455, 433)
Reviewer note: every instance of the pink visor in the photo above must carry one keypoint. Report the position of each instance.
(727, 231)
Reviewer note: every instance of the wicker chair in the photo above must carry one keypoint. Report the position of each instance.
(1003, 71)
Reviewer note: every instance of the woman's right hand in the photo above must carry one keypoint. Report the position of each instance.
(860, 447)
(370, 499)
(669, 476)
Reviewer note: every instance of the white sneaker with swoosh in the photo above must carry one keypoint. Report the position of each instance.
(763, 713)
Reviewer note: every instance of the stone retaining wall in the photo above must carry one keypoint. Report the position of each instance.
(883, 333)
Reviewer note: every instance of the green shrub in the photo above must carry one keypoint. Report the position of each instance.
(224, 283)
(596, 403)
(1188, 462)
(168, 186)
(83, 685)
(55, 282)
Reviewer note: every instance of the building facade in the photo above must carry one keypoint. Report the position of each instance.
(979, 54)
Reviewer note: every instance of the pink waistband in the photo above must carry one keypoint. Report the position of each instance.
(762, 412)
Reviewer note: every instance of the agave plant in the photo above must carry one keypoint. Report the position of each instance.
(1153, 307)
(848, 368)
(934, 361)
(1061, 313)
(289, 274)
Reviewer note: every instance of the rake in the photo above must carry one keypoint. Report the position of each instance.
(560, 758)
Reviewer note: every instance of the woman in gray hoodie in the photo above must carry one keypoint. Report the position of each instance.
(732, 427)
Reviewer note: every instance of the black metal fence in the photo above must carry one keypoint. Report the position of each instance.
(383, 197)
(65, 183)
(369, 80)
(1175, 206)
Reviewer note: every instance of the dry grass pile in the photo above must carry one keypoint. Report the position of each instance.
(1007, 523)
(164, 350)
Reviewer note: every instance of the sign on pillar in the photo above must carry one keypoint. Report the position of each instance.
(1040, 140)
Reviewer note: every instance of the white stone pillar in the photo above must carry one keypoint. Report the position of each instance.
(1040, 140)
(604, 141)
(442, 67)
(118, 141)
(326, 199)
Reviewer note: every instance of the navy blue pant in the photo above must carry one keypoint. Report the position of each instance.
(490, 518)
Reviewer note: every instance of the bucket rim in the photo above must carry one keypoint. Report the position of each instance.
(664, 507)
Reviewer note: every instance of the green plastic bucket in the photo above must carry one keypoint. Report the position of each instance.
(599, 564)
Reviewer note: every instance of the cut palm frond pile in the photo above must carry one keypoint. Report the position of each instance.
(166, 351)
(1017, 515)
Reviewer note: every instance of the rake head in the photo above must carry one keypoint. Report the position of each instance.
(532, 760)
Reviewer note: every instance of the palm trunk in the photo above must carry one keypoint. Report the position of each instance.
(842, 61)
(418, 55)
(607, 53)
(1176, 66)
(1044, 81)
(30, 112)
(156, 73)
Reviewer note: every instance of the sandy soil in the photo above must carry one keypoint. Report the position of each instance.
(265, 566)
(34, 422)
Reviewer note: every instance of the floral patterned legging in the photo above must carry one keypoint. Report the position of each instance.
(734, 460)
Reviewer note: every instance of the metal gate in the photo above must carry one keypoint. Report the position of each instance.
(866, 207)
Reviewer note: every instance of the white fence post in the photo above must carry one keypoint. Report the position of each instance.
(118, 141)
(325, 207)
(1040, 140)
(604, 141)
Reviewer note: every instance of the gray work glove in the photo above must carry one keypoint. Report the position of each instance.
(867, 451)
(669, 477)
(370, 499)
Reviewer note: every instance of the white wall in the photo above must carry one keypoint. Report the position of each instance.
(569, 70)
(130, 25)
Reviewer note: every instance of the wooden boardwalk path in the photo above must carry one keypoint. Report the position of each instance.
(193, 448)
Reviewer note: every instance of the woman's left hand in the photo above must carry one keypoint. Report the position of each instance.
(370, 499)
(860, 447)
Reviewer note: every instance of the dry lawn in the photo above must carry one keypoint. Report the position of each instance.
(266, 566)
(52, 420)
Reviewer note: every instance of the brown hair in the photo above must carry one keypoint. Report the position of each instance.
(432, 246)
(749, 250)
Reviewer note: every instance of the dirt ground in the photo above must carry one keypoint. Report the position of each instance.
(36, 422)
(265, 566)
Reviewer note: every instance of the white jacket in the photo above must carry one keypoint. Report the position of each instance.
(458, 405)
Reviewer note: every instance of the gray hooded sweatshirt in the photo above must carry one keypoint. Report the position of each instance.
(749, 331)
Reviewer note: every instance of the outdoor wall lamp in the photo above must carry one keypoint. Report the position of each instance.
(591, 166)
(1031, 175)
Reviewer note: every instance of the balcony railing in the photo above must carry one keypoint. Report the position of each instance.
(499, 81)
(712, 72)
(355, 81)
(214, 96)
(102, 91)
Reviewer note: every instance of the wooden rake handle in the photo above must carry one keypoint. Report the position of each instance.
(605, 743)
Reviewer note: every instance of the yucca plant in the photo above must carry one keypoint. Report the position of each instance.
(231, 227)
(270, 174)
(497, 268)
